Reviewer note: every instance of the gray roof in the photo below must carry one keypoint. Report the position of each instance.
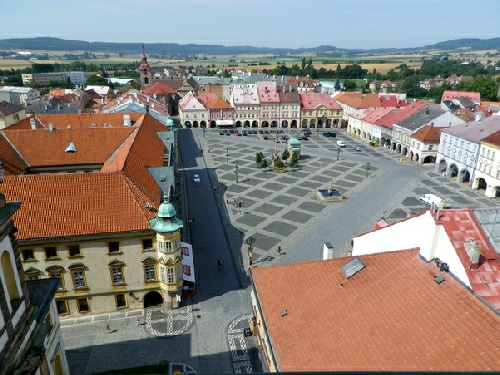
(477, 130)
(490, 223)
(422, 117)
(8, 109)
(41, 293)
(450, 105)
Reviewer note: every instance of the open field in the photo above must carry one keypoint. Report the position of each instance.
(382, 63)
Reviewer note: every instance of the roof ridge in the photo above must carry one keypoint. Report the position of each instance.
(15, 149)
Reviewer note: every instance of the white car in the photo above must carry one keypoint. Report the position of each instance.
(341, 144)
(196, 179)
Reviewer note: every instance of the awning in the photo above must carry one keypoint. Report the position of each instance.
(224, 122)
(187, 262)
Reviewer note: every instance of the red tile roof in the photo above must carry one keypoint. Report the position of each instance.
(450, 95)
(397, 115)
(313, 100)
(390, 316)
(268, 92)
(358, 100)
(492, 139)
(461, 225)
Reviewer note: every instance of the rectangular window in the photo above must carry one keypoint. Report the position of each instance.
(121, 300)
(62, 307)
(74, 250)
(78, 279)
(149, 272)
(59, 276)
(50, 252)
(114, 247)
(170, 275)
(160, 246)
(147, 244)
(162, 274)
(28, 255)
(168, 247)
(117, 273)
(83, 305)
(179, 271)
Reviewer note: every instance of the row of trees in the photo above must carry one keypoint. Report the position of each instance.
(279, 163)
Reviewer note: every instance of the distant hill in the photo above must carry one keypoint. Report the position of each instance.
(174, 49)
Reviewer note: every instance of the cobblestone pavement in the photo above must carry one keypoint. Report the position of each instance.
(244, 353)
(161, 321)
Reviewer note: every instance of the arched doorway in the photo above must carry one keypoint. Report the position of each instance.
(153, 298)
(329, 123)
(453, 171)
(497, 191)
(398, 149)
(393, 148)
(274, 124)
(304, 124)
(294, 124)
(246, 124)
(195, 124)
(417, 157)
(255, 124)
(411, 155)
(203, 124)
(481, 184)
(187, 124)
(431, 159)
(312, 124)
(464, 176)
(265, 124)
(213, 124)
(284, 124)
(404, 152)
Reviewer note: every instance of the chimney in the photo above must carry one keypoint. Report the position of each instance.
(147, 108)
(51, 127)
(32, 123)
(432, 124)
(474, 252)
(327, 251)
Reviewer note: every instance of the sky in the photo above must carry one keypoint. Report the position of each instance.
(348, 24)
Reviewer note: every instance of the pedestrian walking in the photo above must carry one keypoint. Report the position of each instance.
(138, 321)
(108, 330)
(279, 250)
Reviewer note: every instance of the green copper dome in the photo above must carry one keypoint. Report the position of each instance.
(166, 221)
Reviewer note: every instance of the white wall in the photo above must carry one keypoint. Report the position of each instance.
(415, 232)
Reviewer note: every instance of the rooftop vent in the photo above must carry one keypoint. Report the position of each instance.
(439, 279)
(284, 313)
(32, 123)
(51, 127)
(71, 148)
(126, 121)
(353, 267)
(473, 251)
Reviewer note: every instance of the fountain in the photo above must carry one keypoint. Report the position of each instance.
(330, 195)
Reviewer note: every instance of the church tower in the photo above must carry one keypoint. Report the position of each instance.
(144, 70)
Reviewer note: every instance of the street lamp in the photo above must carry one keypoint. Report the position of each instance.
(338, 153)
(367, 169)
(227, 155)
(236, 172)
(250, 241)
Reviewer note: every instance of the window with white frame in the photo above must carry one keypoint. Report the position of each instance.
(168, 247)
(149, 272)
(162, 274)
(170, 275)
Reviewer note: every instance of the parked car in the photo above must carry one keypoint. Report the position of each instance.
(327, 134)
(196, 179)
(357, 148)
(244, 132)
(341, 144)
(222, 132)
(265, 137)
(238, 134)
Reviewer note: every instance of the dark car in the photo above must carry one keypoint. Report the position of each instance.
(244, 132)
(327, 134)
(281, 131)
(264, 137)
(261, 131)
(221, 133)
(267, 132)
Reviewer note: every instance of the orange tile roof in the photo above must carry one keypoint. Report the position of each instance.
(12, 162)
(358, 100)
(158, 88)
(93, 146)
(76, 121)
(429, 134)
(390, 316)
(218, 103)
(75, 204)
